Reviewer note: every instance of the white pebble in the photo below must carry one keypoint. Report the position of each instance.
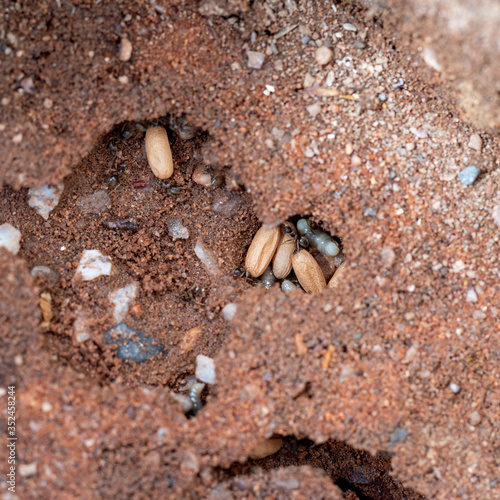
(471, 295)
(177, 230)
(229, 311)
(388, 256)
(479, 315)
(80, 330)
(27, 470)
(420, 134)
(430, 59)
(475, 418)
(308, 81)
(458, 266)
(122, 298)
(314, 109)
(330, 78)
(475, 142)
(10, 238)
(324, 55)
(45, 199)
(205, 369)
(454, 388)
(350, 27)
(93, 264)
(125, 49)
(495, 213)
(255, 59)
(207, 257)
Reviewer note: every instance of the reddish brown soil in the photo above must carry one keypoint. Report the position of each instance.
(356, 380)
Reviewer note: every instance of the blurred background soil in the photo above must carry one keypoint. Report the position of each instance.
(385, 388)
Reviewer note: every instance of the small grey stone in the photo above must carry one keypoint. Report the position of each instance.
(278, 133)
(469, 175)
(255, 59)
(369, 212)
(133, 345)
(226, 205)
(358, 44)
(96, 202)
(306, 39)
(363, 474)
(398, 435)
(454, 388)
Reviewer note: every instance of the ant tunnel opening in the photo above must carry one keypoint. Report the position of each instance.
(359, 474)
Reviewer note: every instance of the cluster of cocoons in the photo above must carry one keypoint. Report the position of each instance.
(277, 251)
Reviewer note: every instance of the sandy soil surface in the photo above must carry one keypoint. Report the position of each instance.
(385, 388)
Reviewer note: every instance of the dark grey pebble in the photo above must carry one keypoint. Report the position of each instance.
(133, 345)
(129, 224)
(469, 175)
